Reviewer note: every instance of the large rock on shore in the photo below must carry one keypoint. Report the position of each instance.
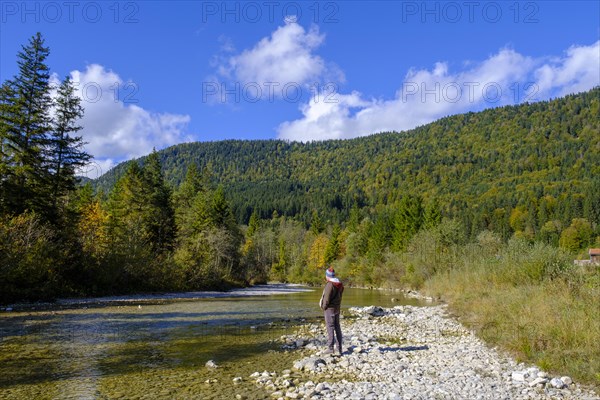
(309, 364)
(373, 311)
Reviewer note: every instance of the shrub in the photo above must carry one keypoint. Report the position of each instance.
(28, 267)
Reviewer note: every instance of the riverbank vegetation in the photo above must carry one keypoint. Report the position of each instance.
(485, 210)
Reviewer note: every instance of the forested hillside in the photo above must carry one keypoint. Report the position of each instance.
(540, 161)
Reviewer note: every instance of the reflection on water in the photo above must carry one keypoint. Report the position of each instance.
(156, 350)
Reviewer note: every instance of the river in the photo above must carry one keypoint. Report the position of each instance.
(157, 346)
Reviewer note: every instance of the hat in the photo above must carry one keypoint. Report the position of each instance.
(330, 273)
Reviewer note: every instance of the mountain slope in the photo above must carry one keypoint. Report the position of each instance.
(473, 163)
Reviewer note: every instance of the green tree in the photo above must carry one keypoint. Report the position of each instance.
(159, 215)
(379, 234)
(432, 215)
(518, 218)
(332, 250)
(191, 185)
(128, 235)
(591, 204)
(550, 232)
(7, 113)
(65, 148)
(209, 240)
(577, 235)
(316, 225)
(407, 221)
(253, 224)
(279, 269)
(191, 195)
(354, 219)
(25, 125)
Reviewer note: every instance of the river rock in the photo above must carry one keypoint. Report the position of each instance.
(309, 364)
(287, 383)
(567, 380)
(519, 376)
(211, 364)
(375, 311)
(538, 381)
(557, 383)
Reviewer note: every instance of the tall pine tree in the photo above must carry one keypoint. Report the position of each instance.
(159, 218)
(332, 250)
(66, 149)
(25, 125)
(7, 111)
(407, 221)
(432, 216)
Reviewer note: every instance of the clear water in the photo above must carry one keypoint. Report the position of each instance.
(158, 350)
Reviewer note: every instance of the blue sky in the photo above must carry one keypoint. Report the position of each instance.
(157, 73)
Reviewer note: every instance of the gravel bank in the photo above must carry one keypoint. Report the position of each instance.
(409, 352)
(158, 298)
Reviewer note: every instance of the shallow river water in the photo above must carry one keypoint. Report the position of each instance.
(157, 347)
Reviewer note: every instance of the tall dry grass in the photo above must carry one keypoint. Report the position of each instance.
(527, 298)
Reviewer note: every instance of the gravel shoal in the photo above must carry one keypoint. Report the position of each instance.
(408, 352)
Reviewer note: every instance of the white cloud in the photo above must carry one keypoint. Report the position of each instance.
(324, 118)
(577, 72)
(115, 129)
(286, 57)
(426, 95)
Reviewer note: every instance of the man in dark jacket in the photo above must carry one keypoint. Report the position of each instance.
(331, 302)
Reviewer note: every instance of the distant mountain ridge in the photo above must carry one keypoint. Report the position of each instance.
(473, 164)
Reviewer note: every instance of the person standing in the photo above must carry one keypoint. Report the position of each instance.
(330, 303)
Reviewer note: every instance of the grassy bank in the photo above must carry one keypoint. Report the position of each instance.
(529, 299)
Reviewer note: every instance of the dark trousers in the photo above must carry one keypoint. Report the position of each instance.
(332, 321)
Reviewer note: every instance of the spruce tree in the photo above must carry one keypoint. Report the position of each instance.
(333, 246)
(7, 111)
(25, 126)
(316, 225)
(66, 152)
(185, 199)
(591, 204)
(354, 218)
(407, 221)
(129, 239)
(253, 224)
(278, 269)
(159, 218)
(192, 184)
(126, 207)
(221, 211)
(432, 216)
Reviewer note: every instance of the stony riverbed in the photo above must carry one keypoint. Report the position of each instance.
(408, 352)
